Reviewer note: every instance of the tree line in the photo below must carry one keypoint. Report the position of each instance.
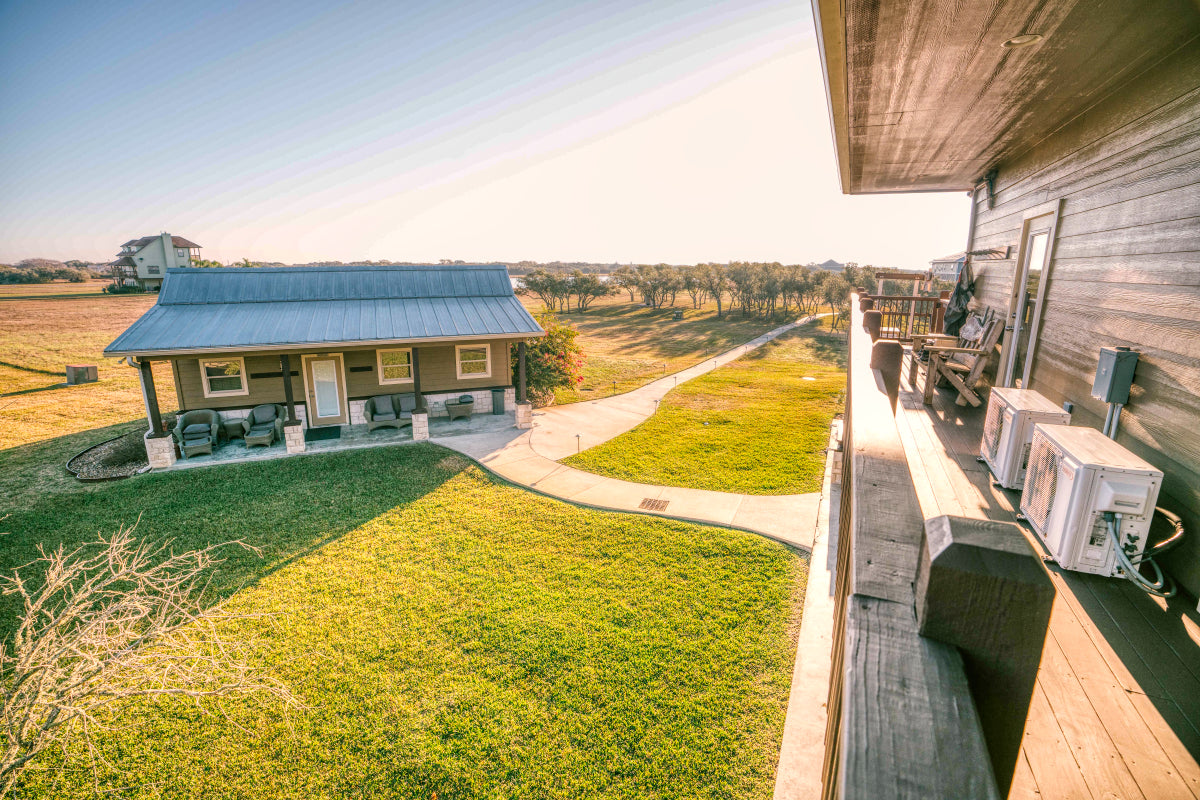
(44, 270)
(751, 288)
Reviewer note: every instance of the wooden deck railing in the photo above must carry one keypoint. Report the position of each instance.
(905, 318)
(938, 625)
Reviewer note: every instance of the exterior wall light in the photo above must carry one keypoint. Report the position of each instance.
(1024, 40)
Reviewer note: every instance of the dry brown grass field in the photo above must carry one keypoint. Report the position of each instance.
(43, 422)
(55, 289)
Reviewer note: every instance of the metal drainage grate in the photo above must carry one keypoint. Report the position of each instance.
(650, 504)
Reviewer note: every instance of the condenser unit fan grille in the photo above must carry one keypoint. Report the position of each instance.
(1041, 482)
(993, 430)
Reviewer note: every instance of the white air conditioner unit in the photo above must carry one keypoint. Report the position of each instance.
(1076, 475)
(1008, 431)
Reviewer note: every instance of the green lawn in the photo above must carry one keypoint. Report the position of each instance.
(454, 637)
(627, 345)
(757, 426)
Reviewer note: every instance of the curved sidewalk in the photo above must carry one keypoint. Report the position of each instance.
(529, 458)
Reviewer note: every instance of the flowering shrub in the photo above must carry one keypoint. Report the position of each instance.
(552, 361)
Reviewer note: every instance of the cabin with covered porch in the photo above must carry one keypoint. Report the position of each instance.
(322, 343)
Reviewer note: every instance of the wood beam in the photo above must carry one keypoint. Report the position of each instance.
(150, 396)
(418, 398)
(285, 364)
(521, 393)
(981, 587)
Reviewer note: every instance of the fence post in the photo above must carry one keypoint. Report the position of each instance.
(980, 587)
(865, 303)
(873, 323)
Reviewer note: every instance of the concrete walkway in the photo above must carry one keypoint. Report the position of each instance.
(530, 458)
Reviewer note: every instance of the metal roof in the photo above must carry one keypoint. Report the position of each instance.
(274, 308)
(177, 241)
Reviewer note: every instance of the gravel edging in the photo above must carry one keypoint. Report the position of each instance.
(96, 463)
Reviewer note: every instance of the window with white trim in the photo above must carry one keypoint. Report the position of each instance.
(473, 361)
(223, 376)
(395, 366)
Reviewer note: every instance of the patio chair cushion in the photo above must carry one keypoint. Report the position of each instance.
(407, 402)
(262, 430)
(197, 430)
(466, 398)
(382, 408)
(263, 414)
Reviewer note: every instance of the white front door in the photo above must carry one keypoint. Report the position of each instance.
(325, 389)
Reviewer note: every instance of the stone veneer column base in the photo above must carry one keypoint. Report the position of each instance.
(510, 399)
(293, 437)
(420, 427)
(160, 450)
(524, 415)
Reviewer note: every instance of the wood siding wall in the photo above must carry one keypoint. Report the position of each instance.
(437, 365)
(1126, 269)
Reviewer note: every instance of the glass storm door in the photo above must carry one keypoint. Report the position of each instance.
(1026, 312)
(326, 391)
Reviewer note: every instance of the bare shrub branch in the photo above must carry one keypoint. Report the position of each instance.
(108, 622)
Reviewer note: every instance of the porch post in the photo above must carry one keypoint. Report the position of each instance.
(524, 409)
(418, 398)
(285, 364)
(160, 447)
(521, 395)
(150, 396)
(420, 414)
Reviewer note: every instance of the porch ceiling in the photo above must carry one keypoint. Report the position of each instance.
(924, 96)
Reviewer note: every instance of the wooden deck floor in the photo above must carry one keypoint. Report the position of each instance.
(1116, 711)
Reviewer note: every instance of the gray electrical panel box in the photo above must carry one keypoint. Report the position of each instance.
(1114, 374)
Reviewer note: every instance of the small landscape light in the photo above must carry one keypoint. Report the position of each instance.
(1024, 40)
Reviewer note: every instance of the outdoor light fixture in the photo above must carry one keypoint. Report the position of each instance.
(1024, 40)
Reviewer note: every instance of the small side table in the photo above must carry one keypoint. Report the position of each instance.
(233, 429)
(455, 409)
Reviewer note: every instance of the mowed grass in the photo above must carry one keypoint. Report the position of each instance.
(627, 345)
(757, 426)
(38, 338)
(453, 637)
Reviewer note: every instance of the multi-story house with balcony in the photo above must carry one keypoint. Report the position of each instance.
(143, 262)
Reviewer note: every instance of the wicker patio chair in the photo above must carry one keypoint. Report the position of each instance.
(263, 425)
(196, 431)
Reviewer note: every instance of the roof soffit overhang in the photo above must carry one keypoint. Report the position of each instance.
(925, 97)
(317, 347)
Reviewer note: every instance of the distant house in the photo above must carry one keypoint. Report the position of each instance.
(144, 262)
(946, 268)
(322, 341)
(832, 266)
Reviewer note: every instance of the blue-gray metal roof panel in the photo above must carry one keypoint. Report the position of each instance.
(247, 309)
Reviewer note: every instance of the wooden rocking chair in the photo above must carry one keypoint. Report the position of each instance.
(969, 336)
(961, 366)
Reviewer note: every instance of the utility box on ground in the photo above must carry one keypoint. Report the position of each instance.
(81, 373)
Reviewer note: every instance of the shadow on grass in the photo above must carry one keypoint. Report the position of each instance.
(823, 346)
(287, 508)
(30, 473)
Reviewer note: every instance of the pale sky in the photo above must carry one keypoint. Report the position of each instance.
(609, 132)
